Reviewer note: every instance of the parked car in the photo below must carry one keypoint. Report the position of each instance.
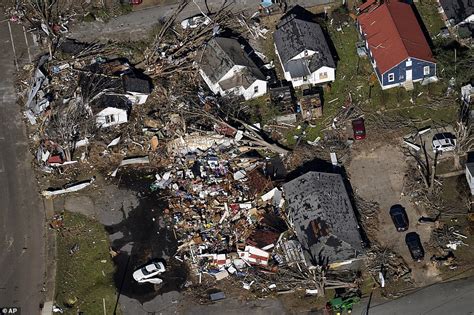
(399, 217)
(149, 272)
(195, 21)
(444, 142)
(413, 242)
(358, 126)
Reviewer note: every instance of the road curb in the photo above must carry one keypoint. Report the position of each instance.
(50, 260)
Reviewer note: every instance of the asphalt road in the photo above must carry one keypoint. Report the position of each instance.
(453, 298)
(135, 25)
(21, 212)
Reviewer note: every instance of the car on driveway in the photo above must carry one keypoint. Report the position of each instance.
(444, 142)
(399, 217)
(195, 21)
(358, 126)
(149, 272)
(413, 242)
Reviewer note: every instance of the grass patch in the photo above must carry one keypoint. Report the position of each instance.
(85, 278)
(261, 110)
(428, 10)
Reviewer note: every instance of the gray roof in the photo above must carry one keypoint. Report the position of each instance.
(132, 83)
(221, 54)
(458, 10)
(292, 37)
(322, 214)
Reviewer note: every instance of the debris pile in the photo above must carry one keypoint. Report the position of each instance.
(71, 98)
(448, 237)
(386, 266)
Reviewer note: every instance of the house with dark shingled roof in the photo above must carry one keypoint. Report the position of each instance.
(320, 211)
(303, 51)
(397, 48)
(228, 67)
(457, 12)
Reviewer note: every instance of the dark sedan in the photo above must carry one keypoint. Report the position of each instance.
(413, 242)
(399, 217)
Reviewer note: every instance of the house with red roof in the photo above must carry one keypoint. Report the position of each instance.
(395, 44)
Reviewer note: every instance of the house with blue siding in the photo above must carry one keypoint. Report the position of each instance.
(395, 44)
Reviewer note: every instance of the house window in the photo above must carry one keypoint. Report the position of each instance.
(426, 70)
(306, 53)
(408, 64)
(305, 79)
(391, 77)
(323, 75)
(255, 89)
(109, 119)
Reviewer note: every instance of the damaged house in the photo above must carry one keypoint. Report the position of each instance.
(303, 52)
(136, 88)
(110, 110)
(228, 68)
(321, 214)
(395, 44)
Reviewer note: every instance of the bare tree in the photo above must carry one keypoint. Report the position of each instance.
(463, 132)
(68, 124)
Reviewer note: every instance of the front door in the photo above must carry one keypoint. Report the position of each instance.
(409, 75)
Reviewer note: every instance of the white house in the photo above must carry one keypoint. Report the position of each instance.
(110, 110)
(227, 68)
(303, 52)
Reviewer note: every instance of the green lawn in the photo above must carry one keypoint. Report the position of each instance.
(85, 277)
(428, 10)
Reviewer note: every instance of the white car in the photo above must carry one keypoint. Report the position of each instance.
(444, 142)
(195, 21)
(149, 272)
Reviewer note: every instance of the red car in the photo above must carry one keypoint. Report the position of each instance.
(135, 2)
(358, 126)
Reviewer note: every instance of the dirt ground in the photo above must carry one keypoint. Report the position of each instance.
(377, 174)
(152, 3)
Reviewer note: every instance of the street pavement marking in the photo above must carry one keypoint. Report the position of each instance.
(2, 166)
